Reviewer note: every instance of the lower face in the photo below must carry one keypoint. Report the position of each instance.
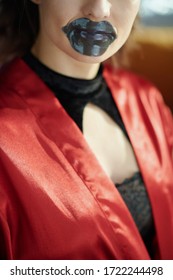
(86, 30)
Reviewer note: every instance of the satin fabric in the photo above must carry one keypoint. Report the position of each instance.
(56, 202)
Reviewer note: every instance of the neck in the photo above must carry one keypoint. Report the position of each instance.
(64, 64)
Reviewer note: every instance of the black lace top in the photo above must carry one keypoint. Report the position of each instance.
(74, 94)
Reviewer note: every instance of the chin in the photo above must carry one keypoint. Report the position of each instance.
(92, 59)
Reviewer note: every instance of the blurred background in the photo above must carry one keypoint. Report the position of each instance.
(153, 56)
(157, 13)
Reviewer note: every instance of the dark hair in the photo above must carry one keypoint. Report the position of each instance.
(19, 25)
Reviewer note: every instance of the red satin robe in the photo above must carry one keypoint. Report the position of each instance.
(56, 202)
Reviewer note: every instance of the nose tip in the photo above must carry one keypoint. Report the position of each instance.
(98, 9)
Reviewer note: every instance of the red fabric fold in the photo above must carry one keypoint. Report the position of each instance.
(55, 198)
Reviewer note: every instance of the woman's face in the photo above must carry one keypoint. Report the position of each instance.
(86, 30)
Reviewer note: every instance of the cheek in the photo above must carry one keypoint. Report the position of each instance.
(125, 11)
(51, 15)
(51, 22)
(58, 12)
(123, 16)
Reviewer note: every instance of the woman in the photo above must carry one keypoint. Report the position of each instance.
(86, 150)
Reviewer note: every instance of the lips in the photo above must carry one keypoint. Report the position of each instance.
(89, 37)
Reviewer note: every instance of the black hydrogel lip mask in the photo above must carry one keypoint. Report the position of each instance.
(89, 37)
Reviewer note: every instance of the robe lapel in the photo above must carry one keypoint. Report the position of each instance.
(140, 113)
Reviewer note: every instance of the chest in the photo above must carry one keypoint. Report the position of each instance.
(109, 144)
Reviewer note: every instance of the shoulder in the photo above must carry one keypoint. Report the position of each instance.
(128, 79)
(17, 84)
(134, 85)
(15, 114)
(136, 93)
(10, 76)
(11, 103)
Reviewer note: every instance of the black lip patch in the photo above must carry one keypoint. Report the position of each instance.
(89, 37)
